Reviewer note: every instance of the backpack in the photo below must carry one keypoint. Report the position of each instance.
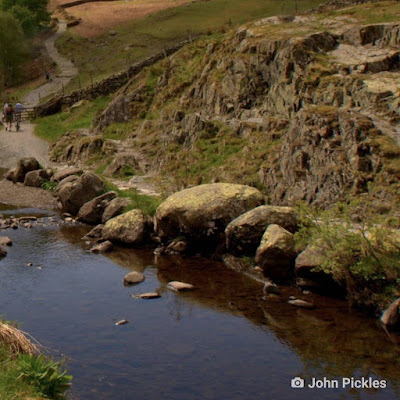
(9, 110)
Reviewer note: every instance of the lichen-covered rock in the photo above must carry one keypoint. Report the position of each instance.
(115, 208)
(276, 253)
(73, 195)
(244, 233)
(37, 177)
(92, 211)
(203, 212)
(133, 227)
(24, 166)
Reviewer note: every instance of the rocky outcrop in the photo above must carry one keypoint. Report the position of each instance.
(287, 110)
(276, 253)
(243, 234)
(133, 228)
(92, 211)
(202, 213)
(73, 195)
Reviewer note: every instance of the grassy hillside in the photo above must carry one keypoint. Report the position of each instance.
(101, 56)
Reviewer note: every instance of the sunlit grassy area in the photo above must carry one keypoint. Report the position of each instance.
(52, 127)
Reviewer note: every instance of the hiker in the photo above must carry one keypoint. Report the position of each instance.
(47, 76)
(18, 109)
(4, 111)
(9, 113)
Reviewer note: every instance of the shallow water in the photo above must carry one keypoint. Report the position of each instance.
(220, 341)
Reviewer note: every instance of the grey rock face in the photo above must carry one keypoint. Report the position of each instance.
(243, 234)
(74, 194)
(92, 211)
(276, 253)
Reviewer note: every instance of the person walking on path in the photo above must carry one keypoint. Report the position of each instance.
(9, 114)
(18, 118)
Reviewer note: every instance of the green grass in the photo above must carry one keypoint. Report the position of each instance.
(11, 386)
(142, 37)
(53, 127)
(148, 204)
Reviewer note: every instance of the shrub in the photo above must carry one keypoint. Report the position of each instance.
(360, 248)
(44, 374)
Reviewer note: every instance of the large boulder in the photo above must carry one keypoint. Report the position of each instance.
(276, 253)
(24, 166)
(244, 233)
(37, 177)
(202, 213)
(92, 211)
(73, 195)
(132, 227)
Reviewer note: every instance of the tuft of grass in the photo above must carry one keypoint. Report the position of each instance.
(54, 126)
(148, 204)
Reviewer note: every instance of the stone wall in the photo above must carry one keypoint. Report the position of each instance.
(105, 86)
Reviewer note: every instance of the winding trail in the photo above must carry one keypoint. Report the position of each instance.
(15, 145)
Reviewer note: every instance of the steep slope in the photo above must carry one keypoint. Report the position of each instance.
(303, 107)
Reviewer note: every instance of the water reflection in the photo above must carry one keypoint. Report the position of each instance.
(221, 340)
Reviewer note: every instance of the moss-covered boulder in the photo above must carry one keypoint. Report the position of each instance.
(276, 253)
(132, 227)
(243, 234)
(202, 213)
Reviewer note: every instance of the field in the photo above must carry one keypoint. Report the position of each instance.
(100, 16)
(101, 55)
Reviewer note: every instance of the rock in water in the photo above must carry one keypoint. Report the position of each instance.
(390, 317)
(5, 241)
(121, 322)
(179, 286)
(103, 247)
(133, 227)
(133, 278)
(276, 253)
(202, 213)
(146, 296)
(92, 211)
(301, 304)
(243, 234)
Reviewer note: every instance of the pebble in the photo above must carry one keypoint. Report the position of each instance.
(146, 296)
(301, 304)
(179, 286)
(121, 322)
(29, 265)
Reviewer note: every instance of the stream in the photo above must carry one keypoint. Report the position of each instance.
(219, 341)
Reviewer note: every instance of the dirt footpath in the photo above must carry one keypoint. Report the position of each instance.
(16, 145)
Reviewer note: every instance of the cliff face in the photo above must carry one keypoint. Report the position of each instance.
(304, 108)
